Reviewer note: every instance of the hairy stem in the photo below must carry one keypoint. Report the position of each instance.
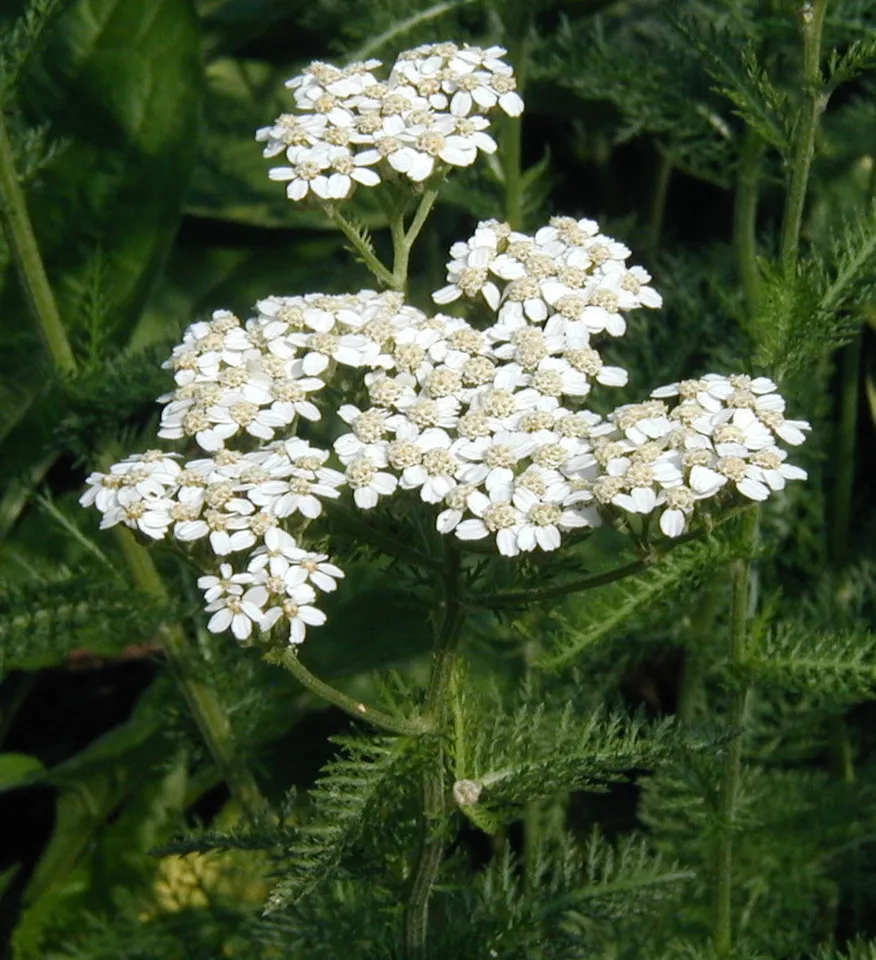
(435, 800)
(515, 598)
(740, 575)
(28, 262)
(202, 701)
(355, 708)
(517, 17)
(745, 218)
(701, 625)
(362, 247)
(815, 100)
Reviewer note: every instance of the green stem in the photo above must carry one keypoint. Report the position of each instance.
(850, 387)
(435, 795)
(362, 247)
(403, 239)
(690, 686)
(514, 598)
(740, 573)
(201, 699)
(815, 100)
(28, 262)
(367, 532)
(355, 708)
(427, 201)
(745, 218)
(658, 199)
(517, 17)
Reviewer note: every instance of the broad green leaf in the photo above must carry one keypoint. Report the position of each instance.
(16, 768)
(122, 84)
(96, 781)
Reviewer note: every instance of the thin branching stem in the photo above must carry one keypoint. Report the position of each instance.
(745, 218)
(437, 713)
(516, 598)
(363, 249)
(28, 261)
(740, 578)
(815, 100)
(517, 16)
(355, 708)
(656, 217)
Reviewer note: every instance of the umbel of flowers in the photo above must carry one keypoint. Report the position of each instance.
(489, 426)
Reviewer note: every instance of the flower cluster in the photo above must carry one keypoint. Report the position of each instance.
(488, 425)
(351, 128)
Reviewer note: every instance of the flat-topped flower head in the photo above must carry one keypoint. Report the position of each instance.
(350, 129)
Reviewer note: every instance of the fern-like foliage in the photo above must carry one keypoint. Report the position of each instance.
(583, 890)
(666, 96)
(542, 749)
(859, 950)
(802, 318)
(347, 797)
(835, 664)
(608, 609)
(19, 41)
(42, 623)
(742, 79)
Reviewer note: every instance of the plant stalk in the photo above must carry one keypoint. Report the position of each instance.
(658, 199)
(362, 248)
(28, 262)
(745, 218)
(740, 575)
(355, 708)
(518, 17)
(812, 15)
(436, 713)
(202, 701)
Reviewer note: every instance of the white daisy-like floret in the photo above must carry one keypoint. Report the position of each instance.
(494, 514)
(240, 612)
(368, 481)
(294, 605)
(227, 583)
(543, 521)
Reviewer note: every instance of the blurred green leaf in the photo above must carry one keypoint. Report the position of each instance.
(122, 82)
(15, 767)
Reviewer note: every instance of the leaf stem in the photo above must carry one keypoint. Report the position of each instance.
(361, 246)
(740, 578)
(435, 795)
(518, 17)
(745, 218)
(369, 533)
(28, 262)
(815, 100)
(514, 598)
(288, 658)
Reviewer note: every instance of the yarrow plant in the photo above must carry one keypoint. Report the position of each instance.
(489, 425)
(521, 512)
(483, 416)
